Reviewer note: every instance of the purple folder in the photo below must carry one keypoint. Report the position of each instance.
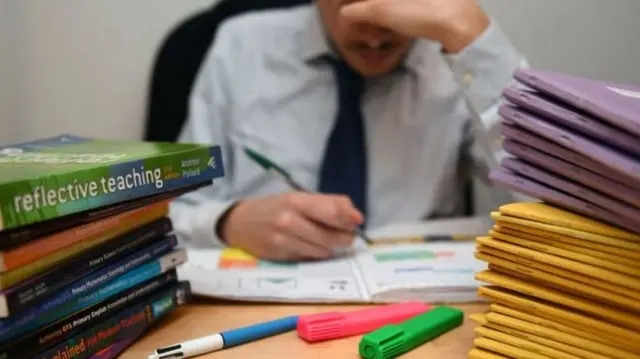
(572, 188)
(561, 114)
(560, 199)
(618, 104)
(583, 176)
(609, 157)
(531, 140)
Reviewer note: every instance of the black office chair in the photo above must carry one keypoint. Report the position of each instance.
(179, 59)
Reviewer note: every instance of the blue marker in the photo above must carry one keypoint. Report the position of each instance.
(227, 339)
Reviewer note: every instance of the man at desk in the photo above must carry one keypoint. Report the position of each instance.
(362, 101)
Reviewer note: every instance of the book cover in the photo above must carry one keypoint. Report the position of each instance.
(566, 342)
(593, 308)
(87, 282)
(524, 342)
(624, 280)
(541, 247)
(554, 313)
(45, 246)
(553, 216)
(550, 326)
(540, 271)
(44, 285)
(571, 245)
(17, 275)
(570, 287)
(64, 175)
(27, 346)
(17, 237)
(476, 353)
(44, 314)
(600, 246)
(504, 349)
(129, 323)
(502, 219)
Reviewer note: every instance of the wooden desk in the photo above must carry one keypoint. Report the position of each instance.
(206, 317)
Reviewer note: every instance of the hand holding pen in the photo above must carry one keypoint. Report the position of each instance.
(272, 167)
(298, 225)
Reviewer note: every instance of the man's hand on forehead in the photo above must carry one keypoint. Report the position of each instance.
(454, 23)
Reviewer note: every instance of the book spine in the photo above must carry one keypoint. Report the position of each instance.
(32, 201)
(17, 275)
(127, 325)
(38, 288)
(19, 236)
(103, 275)
(36, 317)
(42, 247)
(28, 346)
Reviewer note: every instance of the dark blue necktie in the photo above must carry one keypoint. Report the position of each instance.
(344, 167)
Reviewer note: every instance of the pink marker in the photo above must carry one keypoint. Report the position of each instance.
(334, 325)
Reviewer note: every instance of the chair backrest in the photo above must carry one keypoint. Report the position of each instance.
(178, 61)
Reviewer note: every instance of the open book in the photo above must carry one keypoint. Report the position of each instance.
(441, 272)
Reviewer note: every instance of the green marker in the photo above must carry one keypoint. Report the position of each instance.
(393, 340)
(272, 167)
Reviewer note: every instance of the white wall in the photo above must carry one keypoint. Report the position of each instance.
(8, 67)
(81, 66)
(594, 38)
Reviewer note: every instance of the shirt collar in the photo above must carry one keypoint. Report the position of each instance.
(316, 44)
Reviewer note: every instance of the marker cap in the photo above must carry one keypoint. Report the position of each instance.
(333, 325)
(394, 340)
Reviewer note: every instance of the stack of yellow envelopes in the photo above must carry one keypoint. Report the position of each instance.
(561, 286)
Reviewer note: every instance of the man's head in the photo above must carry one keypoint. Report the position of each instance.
(368, 49)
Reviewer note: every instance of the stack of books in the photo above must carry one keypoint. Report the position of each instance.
(87, 255)
(563, 274)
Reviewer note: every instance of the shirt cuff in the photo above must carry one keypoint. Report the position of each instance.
(195, 226)
(486, 66)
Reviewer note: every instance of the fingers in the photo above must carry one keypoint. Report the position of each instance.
(312, 232)
(289, 247)
(368, 11)
(331, 210)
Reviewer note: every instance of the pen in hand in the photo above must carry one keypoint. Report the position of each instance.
(272, 167)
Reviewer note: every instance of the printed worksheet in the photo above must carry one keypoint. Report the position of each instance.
(435, 272)
(232, 273)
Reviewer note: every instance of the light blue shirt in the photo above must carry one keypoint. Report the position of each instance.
(259, 87)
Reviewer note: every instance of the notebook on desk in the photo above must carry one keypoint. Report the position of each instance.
(597, 151)
(531, 141)
(539, 104)
(437, 272)
(567, 185)
(562, 167)
(617, 104)
(561, 199)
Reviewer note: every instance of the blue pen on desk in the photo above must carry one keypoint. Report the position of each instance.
(226, 339)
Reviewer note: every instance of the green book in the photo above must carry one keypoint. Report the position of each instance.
(54, 177)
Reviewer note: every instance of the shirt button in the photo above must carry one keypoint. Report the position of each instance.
(467, 78)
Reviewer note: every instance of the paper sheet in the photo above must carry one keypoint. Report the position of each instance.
(231, 273)
(438, 271)
(434, 272)
(466, 226)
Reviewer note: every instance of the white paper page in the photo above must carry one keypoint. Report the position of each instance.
(221, 274)
(465, 226)
(437, 271)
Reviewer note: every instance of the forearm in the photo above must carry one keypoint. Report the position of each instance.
(483, 69)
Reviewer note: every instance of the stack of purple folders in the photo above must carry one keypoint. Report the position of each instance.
(574, 143)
